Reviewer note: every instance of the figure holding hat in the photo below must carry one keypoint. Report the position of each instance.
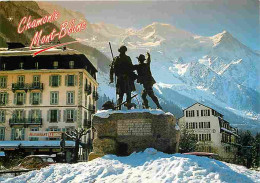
(122, 67)
(146, 79)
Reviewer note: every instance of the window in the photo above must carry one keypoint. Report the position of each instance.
(54, 115)
(70, 97)
(55, 80)
(36, 81)
(3, 82)
(35, 98)
(36, 65)
(198, 113)
(54, 129)
(69, 129)
(35, 116)
(19, 116)
(20, 98)
(35, 129)
(17, 134)
(2, 133)
(71, 64)
(54, 98)
(3, 66)
(70, 115)
(21, 80)
(2, 116)
(55, 64)
(3, 98)
(70, 80)
(190, 113)
(21, 65)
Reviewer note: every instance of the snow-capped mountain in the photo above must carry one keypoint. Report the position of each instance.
(219, 71)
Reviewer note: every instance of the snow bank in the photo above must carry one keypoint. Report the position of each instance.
(148, 166)
(107, 113)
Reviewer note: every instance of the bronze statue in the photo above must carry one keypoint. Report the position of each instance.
(122, 67)
(146, 79)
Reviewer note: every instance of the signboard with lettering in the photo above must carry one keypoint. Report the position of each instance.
(50, 134)
(134, 127)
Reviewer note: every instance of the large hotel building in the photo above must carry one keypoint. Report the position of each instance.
(213, 133)
(53, 91)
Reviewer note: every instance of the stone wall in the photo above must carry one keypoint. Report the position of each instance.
(122, 133)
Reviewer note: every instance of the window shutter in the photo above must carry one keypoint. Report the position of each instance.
(59, 115)
(75, 116)
(12, 134)
(48, 115)
(23, 133)
(76, 80)
(30, 115)
(65, 115)
(24, 98)
(7, 98)
(59, 80)
(40, 96)
(31, 98)
(15, 98)
(50, 80)
(66, 80)
(24, 113)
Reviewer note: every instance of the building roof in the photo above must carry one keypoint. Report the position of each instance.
(25, 54)
(200, 104)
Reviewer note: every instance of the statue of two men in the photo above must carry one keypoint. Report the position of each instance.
(123, 69)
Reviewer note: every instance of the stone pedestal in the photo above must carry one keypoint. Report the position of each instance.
(123, 132)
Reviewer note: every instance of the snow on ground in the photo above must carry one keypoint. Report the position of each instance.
(149, 166)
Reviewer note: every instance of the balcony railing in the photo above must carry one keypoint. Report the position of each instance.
(20, 86)
(26, 86)
(88, 89)
(95, 95)
(25, 121)
(87, 123)
(36, 86)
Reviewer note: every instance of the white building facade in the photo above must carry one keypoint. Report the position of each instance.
(212, 132)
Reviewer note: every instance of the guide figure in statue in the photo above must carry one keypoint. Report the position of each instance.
(122, 67)
(146, 79)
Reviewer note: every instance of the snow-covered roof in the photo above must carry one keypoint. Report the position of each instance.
(107, 113)
(34, 144)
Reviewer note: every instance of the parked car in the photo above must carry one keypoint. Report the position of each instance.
(205, 154)
(36, 162)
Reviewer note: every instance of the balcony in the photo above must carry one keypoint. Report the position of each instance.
(20, 86)
(95, 95)
(36, 86)
(26, 87)
(87, 123)
(88, 89)
(25, 121)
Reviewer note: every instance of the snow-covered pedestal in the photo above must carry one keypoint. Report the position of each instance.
(123, 132)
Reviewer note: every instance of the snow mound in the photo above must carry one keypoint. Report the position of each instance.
(107, 113)
(148, 166)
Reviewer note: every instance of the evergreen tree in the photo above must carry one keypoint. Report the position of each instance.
(187, 141)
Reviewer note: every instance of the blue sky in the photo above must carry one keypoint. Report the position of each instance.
(204, 17)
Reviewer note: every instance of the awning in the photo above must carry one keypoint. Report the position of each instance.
(35, 144)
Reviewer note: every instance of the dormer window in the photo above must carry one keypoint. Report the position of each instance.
(3, 66)
(36, 65)
(55, 64)
(21, 65)
(71, 64)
